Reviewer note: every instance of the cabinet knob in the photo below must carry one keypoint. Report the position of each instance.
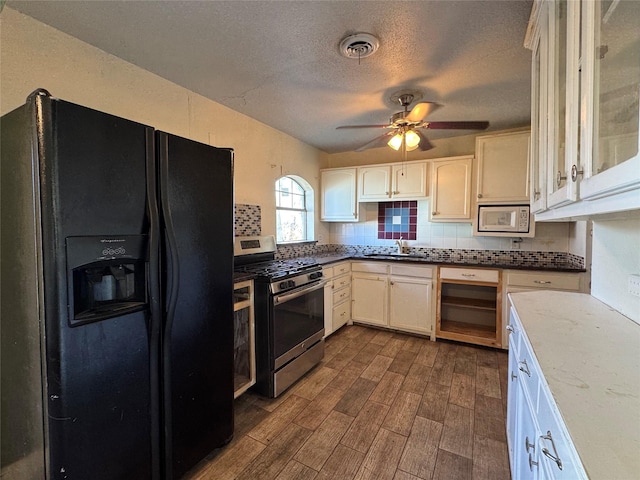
(528, 445)
(509, 328)
(560, 178)
(575, 172)
(479, 195)
(434, 213)
(532, 463)
(513, 376)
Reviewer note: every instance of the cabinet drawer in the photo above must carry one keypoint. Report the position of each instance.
(327, 273)
(470, 274)
(341, 295)
(342, 281)
(554, 439)
(342, 268)
(555, 281)
(341, 315)
(412, 271)
(371, 267)
(528, 370)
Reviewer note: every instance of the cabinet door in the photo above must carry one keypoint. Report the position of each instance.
(451, 190)
(338, 193)
(563, 100)
(409, 180)
(538, 175)
(328, 308)
(341, 315)
(369, 298)
(610, 73)
(410, 304)
(503, 167)
(374, 183)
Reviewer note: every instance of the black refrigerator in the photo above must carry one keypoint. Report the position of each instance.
(117, 281)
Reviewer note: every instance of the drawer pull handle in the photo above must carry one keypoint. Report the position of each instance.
(555, 456)
(542, 282)
(532, 463)
(510, 328)
(524, 367)
(468, 275)
(513, 376)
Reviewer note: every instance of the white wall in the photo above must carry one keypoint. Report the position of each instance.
(616, 254)
(34, 55)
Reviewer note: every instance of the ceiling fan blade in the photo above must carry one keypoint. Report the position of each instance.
(376, 142)
(420, 111)
(424, 144)
(364, 126)
(479, 125)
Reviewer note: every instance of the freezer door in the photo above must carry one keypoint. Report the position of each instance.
(196, 199)
(99, 375)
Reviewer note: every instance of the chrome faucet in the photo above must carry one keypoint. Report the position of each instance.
(400, 246)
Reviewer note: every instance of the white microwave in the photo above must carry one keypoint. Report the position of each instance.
(504, 221)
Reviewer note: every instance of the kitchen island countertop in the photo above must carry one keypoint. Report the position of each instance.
(589, 355)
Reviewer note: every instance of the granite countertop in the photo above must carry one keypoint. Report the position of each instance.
(242, 276)
(589, 356)
(328, 258)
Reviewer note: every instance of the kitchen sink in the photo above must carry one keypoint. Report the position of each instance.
(395, 255)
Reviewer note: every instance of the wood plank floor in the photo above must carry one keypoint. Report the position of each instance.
(381, 405)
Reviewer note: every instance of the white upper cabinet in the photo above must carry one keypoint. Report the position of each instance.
(451, 189)
(338, 195)
(610, 91)
(374, 183)
(585, 114)
(379, 183)
(503, 167)
(409, 180)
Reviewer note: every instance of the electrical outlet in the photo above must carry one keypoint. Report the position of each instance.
(634, 284)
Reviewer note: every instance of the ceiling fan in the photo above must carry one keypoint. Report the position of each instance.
(405, 127)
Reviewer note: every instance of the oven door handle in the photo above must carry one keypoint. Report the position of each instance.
(285, 297)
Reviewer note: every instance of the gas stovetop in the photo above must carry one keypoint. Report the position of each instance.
(280, 269)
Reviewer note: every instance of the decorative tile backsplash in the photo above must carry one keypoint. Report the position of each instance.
(247, 220)
(398, 220)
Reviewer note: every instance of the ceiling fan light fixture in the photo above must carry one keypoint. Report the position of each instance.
(411, 138)
(396, 141)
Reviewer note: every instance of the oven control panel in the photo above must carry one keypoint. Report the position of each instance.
(295, 281)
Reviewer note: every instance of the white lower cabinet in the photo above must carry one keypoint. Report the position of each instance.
(337, 296)
(410, 299)
(369, 293)
(539, 445)
(523, 281)
(393, 296)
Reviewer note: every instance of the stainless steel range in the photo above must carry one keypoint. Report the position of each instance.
(289, 313)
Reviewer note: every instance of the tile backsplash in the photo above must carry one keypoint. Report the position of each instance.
(550, 237)
(247, 220)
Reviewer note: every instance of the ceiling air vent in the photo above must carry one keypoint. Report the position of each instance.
(359, 46)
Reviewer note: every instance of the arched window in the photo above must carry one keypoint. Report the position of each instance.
(294, 210)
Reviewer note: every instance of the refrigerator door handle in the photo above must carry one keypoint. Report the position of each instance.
(173, 263)
(155, 311)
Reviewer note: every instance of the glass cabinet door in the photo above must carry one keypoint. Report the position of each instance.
(611, 79)
(539, 113)
(562, 101)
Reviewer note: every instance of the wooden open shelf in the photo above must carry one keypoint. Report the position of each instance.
(468, 332)
(465, 302)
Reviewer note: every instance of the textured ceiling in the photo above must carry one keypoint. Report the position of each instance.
(278, 61)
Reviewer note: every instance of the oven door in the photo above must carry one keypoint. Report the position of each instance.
(298, 321)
